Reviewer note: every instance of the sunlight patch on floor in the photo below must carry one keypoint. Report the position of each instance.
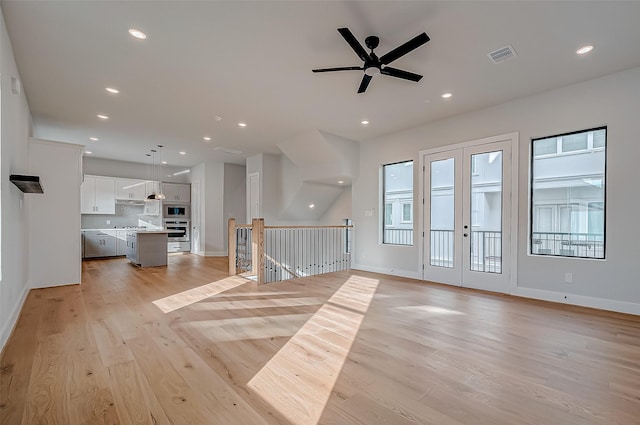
(214, 304)
(246, 328)
(299, 379)
(430, 309)
(194, 295)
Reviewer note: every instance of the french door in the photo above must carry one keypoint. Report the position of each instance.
(467, 213)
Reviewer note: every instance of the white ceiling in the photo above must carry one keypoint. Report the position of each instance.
(252, 61)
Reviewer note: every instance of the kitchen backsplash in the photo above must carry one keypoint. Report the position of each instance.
(126, 215)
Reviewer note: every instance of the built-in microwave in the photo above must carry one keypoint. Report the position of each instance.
(175, 211)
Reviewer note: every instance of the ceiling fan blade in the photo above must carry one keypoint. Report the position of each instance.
(402, 50)
(355, 45)
(365, 83)
(344, 68)
(399, 73)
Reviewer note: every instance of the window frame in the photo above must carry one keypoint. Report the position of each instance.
(559, 152)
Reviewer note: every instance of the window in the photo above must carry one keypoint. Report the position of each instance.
(407, 212)
(397, 189)
(388, 214)
(574, 142)
(568, 194)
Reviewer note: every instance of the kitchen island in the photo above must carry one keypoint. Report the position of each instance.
(147, 248)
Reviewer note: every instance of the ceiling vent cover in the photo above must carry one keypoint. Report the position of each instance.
(502, 54)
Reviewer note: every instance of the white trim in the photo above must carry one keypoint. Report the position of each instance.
(392, 272)
(578, 300)
(9, 326)
(501, 138)
(215, 253)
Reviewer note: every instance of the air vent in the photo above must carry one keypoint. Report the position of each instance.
(502, 54)
(227, 150)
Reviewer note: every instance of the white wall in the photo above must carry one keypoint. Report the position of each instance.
(197, 175)
(54, 224)
(235, 196)
(16, 128)
(611, 100)
(213, 225)
(338, 211)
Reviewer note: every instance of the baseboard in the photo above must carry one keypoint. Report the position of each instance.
(536, 294)
(215, 254)
(579, 300)
(393, 272)
(12, 320)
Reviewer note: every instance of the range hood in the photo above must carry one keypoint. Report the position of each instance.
(27, 184)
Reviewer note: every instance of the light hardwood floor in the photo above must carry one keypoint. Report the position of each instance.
(187, 344)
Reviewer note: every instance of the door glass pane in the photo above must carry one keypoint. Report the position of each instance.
(486, 213)
(442, 213)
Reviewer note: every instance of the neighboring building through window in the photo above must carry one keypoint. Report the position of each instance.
(398, 203)
(568, 194)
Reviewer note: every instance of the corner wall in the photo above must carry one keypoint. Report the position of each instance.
(16, 128)
(611, 100)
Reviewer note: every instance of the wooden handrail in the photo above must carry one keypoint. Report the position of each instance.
(309, 227)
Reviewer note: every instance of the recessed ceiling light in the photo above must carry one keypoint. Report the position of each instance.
(163, 162)
(88, 152)
(447, 95)
(364, 122)
(182, 153)
(242, 124)
(112, 90)
(95, 139)
(137, 33)
(206, 138)
(311, 205)
(102, 117)
(340, 181)
(584, 49)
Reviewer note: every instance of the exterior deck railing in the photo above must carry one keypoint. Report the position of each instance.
(485, 255)
(398, 236)
(275, 253)
(585, 245)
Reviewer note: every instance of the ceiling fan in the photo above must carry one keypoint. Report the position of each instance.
(374, 65)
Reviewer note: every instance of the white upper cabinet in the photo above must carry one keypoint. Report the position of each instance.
(97, 195)
(131, 190)
(176, 192)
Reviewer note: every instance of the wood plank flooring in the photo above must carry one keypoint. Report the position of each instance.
(187, 344)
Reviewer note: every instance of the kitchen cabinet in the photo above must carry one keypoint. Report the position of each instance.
(131, 190)
(98, 243)
(121, 242)
(176, 192)
(147, 248)
(97, 195)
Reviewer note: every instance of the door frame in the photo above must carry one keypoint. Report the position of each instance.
(513, 140)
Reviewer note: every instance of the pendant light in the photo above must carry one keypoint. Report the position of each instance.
(153, 196)
(160, 195)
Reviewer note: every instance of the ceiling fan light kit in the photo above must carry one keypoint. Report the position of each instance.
(374, 65)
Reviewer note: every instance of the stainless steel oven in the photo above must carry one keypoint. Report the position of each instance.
(170, 211)
(178, 230)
